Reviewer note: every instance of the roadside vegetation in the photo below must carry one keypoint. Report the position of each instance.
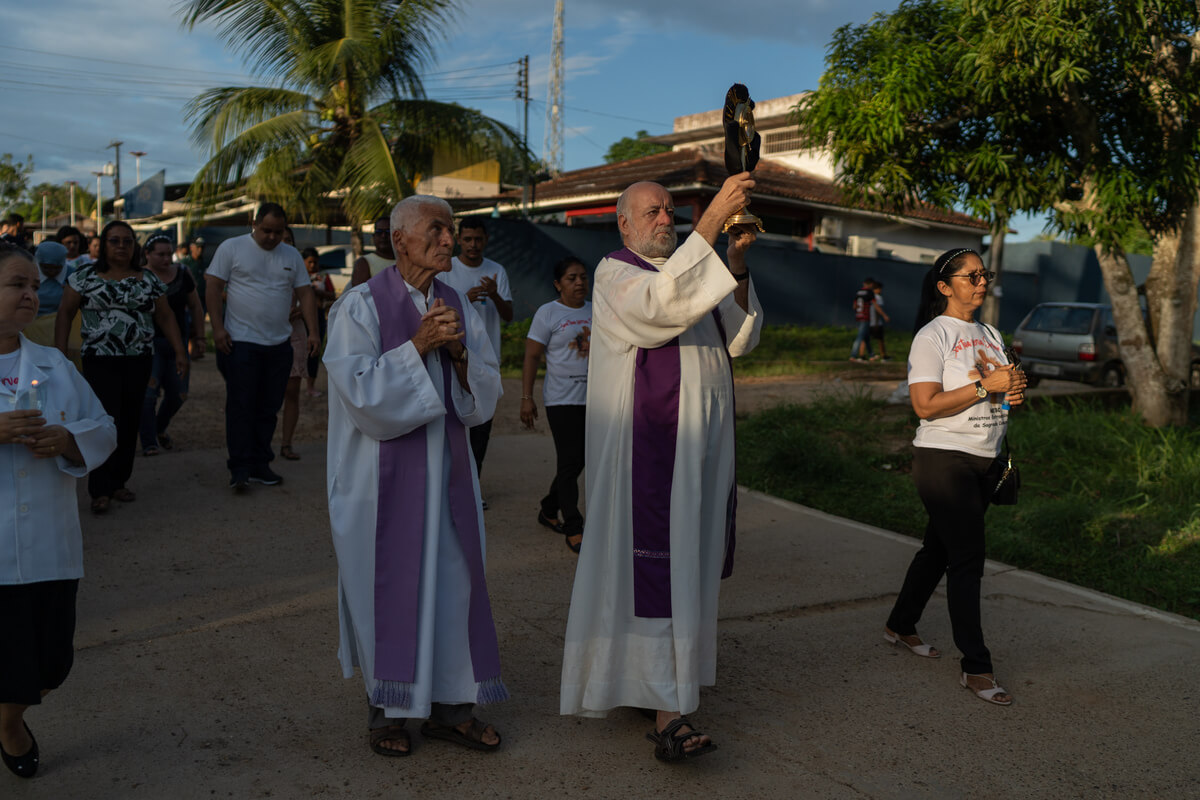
(1106, 502)
(782, 350)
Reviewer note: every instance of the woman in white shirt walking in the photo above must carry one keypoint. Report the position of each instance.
(961, 386)
(53, 430)
(561, 330)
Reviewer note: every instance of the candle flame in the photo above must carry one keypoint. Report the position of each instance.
(34, 383)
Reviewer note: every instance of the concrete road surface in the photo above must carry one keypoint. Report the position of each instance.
(206, 667)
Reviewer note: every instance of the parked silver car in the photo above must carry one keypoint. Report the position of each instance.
(1075, 342)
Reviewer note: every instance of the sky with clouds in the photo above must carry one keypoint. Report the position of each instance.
(80, 74)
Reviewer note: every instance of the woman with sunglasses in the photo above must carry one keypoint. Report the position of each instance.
(959, 379)
(121, 303)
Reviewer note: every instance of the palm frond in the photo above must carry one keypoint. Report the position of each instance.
(222, 114)
(370, 174)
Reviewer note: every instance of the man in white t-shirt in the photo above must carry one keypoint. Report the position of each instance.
(485, 283)
(251, 284)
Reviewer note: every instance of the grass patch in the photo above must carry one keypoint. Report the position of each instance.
(1105, 503)
(782, 350)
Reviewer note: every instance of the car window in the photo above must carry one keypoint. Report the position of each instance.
(1061, 319)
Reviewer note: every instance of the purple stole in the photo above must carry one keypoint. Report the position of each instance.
(656, 380)
(400, 524)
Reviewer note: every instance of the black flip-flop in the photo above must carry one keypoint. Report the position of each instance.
(390, 733)
(472, 739)
(551, 523)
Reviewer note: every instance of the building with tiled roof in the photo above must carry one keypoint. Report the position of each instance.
(794, 204)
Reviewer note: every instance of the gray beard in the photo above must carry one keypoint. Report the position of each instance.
(653, 248)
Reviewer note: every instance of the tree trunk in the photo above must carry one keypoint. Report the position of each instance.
(1171, 302)
(991, 304)
(356, 243)
(1144, 375)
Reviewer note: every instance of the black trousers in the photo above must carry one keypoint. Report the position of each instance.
(567, 426)
(479, 442)
(955, 488)
(120, 384)
(256, 378)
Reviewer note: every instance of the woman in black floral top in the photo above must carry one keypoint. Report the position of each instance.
(120, 304)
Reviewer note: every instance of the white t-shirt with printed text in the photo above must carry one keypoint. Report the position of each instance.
(10, 373)
(567, 334)
(953, 352)
(259, 288)
(465, 278)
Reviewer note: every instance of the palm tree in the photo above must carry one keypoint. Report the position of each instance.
(345, 119)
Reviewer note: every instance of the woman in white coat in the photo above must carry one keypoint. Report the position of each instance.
(53, 430)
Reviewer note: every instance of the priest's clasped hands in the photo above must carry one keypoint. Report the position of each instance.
(440, 326)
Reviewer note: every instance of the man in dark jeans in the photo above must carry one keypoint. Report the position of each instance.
(251, 284)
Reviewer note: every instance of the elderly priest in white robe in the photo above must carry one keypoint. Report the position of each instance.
(660, 462)
(411, 369)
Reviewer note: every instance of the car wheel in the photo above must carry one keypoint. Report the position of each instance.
(1112, 377)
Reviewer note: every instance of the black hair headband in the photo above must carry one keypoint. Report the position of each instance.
(953, 254)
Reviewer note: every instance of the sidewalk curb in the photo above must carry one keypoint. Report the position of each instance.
(1120, 604)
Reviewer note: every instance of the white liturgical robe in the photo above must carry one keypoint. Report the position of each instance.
(613, 657)
(376, 396)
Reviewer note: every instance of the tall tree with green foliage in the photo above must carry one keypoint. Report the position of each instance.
(1086, 109)
(344, 119)
(14, 180)
(58, 201)
(626, 148)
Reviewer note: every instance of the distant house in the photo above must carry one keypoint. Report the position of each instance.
(796, 196)
(829, 222)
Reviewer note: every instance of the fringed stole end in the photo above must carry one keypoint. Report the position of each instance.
(491, 690)
(392, 694)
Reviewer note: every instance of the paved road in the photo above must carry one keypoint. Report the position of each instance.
(206, 667)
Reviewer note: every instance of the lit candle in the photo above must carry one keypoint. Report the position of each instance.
(32, 396)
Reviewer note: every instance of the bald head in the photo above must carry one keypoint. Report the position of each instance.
(646, 219)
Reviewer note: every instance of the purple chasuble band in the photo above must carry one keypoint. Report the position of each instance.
(656, 381)
(400, 524)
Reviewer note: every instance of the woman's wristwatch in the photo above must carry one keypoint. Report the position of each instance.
(980, 392)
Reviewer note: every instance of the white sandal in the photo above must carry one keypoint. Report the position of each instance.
(923, 650)
(986, 694)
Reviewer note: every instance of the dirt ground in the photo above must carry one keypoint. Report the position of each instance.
(200, 424)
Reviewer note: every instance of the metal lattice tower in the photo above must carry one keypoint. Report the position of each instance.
(552, 144)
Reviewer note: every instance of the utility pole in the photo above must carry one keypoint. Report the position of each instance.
(116, 145)
(44, 211)
(523, 94)
(107, 169)
(99, 197)
(137, 165)
(552, 142)
(72, 185)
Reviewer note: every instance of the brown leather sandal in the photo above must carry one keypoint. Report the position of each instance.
(473, 738)
(390, 733)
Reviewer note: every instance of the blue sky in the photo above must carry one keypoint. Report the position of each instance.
(80, 74)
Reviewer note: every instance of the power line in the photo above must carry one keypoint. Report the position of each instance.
(124, 63)
(656, 123)
(206, 73)
(91, 151)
